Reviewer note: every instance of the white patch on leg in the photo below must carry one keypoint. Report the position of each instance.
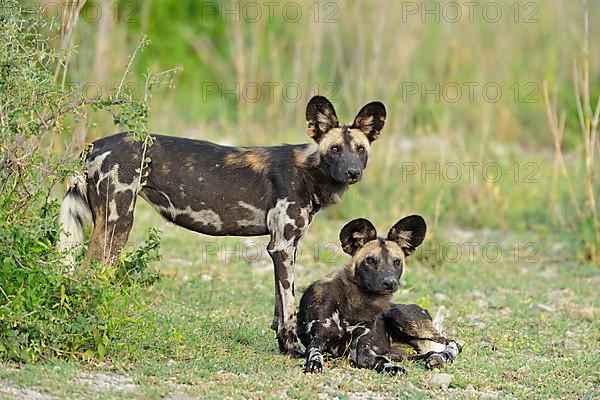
(112, 211)
(353, 354)
(314, 361)
(113, 179)
(425, 346)
(334, 319)
(310, 325)
(315, 355)
(452, 350)
(287, 300)
(113, 176)
(278, 218)
(95, 164)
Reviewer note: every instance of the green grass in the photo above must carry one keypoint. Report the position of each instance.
(205, 332)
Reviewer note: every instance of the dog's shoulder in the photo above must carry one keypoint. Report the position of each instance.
(328, 289)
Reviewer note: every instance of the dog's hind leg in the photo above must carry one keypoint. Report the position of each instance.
(409, 324)
(287, 224)
(112, 210)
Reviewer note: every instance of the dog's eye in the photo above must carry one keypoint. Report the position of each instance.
(397, 263)
(361, 149)
(334, 149)
(370, 260)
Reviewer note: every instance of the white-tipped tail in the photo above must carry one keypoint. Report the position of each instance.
(75, 214)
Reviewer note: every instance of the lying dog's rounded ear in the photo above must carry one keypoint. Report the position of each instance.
(370, 120)
(320, 117)
(409, 233)
(355, 234)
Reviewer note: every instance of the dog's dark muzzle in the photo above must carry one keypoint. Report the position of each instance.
(390, 285)
(353, 175)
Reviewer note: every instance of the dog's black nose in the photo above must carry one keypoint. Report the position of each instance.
(390, 284)
(353, 173)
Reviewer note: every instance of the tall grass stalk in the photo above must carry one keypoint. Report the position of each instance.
(589, 118)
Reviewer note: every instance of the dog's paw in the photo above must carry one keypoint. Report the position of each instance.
(437, 360)
(392, 369)
(314, 362)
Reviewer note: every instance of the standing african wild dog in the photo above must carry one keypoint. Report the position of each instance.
(349, 312)
(218, 190)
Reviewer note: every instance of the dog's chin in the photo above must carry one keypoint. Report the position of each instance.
(383, 292)
(349, 181)
(344, 180)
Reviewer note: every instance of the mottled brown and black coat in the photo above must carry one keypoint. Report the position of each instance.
(221, 190)
(349, 312)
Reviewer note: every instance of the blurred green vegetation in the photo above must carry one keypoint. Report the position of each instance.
(367, 51)
(438, 76)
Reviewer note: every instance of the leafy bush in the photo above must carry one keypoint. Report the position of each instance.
(43, 311)
(132, 267)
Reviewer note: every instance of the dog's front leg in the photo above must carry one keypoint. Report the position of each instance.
(314, 356)
(284, 321)
(363, 355)
(325, 334)
(287, 224)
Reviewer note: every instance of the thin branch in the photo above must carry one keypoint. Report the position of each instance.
(67, 31)
(139, 46)
(4, 293)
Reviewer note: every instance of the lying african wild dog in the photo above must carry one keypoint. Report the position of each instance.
(219, 190)
(349, 312)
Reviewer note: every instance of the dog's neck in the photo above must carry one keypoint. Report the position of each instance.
(324, 189)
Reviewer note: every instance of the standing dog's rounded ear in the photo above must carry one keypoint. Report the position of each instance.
(355, 234)
(320, 117)
(409, 233)
(370, 120)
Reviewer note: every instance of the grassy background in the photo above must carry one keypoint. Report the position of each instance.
(528, 319)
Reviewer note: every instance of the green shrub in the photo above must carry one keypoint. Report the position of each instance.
(43, 311)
